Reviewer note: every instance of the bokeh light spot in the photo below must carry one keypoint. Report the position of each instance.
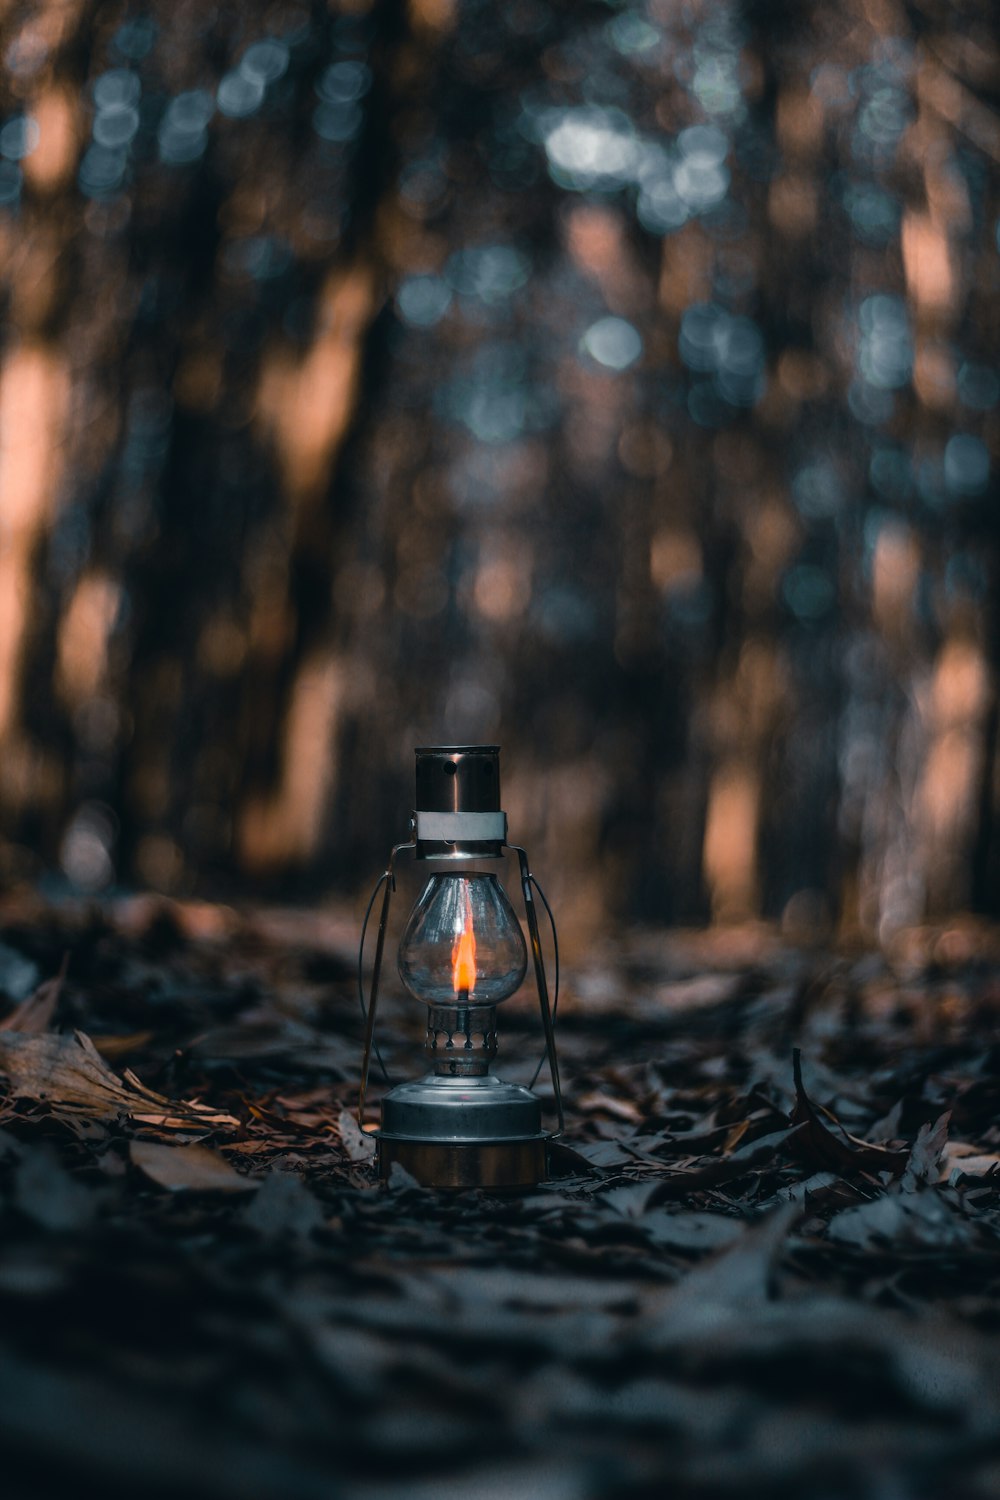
(870, 404)
(590, 146)
(885, 354)
(817, 490)
(660, 207)
(19, 137)
(966, 465)
(874, 215)
(264, 61)
(701, 184)
(27, 53)
(740, 355)
(885, 116)
(191, 110)
(135, 39)
(809, 592)
(117, 86)
(344, 82)
(423, 301)
(86, 849)
(632, 35)
(706, 144)
(716, 85)
(490, 272)
(612, 342)
(699, 339)
(102, 171)
(239, 94)
(491, 397)
(116, 125)
(182, 133)
(337, 122)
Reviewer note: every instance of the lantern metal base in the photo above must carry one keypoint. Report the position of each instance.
(463, 1132)
(466, 1164)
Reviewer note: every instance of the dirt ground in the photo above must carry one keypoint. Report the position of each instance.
(767, 1263)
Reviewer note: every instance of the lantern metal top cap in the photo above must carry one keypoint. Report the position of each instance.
(457, 805)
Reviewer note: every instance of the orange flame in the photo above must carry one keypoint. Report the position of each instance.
(463, 955)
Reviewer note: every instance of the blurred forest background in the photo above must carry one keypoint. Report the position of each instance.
(617, 382)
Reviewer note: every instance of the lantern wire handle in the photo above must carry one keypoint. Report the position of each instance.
(388, 879)
(540, 980)
(361, 978)
(555, 993)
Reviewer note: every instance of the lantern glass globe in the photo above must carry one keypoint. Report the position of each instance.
(463, 943)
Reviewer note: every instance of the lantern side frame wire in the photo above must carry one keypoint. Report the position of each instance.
(541, 984)
(388, 879)
(555, 990)
(361, 976)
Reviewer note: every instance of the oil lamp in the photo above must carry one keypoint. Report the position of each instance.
(462, 953)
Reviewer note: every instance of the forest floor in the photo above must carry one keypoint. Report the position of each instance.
(752, 1277)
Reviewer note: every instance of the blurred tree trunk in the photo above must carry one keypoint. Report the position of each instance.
(352, 398)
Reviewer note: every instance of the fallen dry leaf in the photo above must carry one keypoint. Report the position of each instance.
(599, 1102)
(960, 1159)
(67, 1073)
(359, 1145)
(926, 1152)
(825, 1140)
(193, 1168)
(684, 1302)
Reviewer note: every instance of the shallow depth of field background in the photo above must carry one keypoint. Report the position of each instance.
(617, 382)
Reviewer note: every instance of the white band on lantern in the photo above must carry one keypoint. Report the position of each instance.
(461, 827)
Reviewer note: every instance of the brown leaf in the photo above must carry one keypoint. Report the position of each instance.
(715, 1170)
(825, 1141)
(598, 1102)
(34, 1015)
(194, 1168)
(960, 1159)
(67, 1073)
